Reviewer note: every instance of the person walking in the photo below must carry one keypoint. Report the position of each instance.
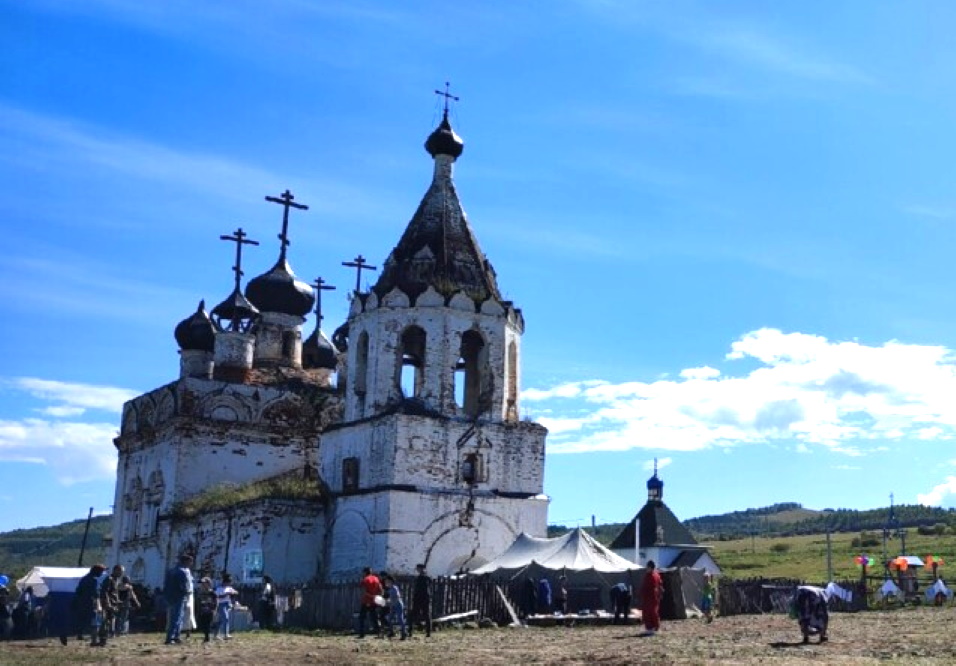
(371, 588)
(651, 592)
(421, 602)
(396, 607)
(225, 593)
(87, 611)
(127, 601)
(267, 604)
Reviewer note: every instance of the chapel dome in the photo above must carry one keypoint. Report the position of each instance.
(235, 313)
(196, 331)
(278, 290)
(444, 141)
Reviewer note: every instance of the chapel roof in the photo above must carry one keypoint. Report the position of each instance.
(652, 515)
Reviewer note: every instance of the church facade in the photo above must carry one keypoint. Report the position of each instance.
(398, 442)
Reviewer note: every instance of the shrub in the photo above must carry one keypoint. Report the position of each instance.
(780, 547)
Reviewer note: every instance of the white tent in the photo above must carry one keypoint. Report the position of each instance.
(52, 579)
(575, 551)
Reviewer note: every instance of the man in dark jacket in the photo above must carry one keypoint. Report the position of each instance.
(421, 602)
(175, 589)
(87, 611)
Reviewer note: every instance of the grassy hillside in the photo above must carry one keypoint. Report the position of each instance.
(56, 545)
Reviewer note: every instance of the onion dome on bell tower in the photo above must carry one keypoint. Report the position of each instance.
(196, 332)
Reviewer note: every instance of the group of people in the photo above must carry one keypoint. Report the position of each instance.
(383, 608)
(102, 605)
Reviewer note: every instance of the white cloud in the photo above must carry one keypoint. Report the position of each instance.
(940, 493)
(75, 398)
(847, 397)
(74, 450)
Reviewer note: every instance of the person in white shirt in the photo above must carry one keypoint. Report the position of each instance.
(224, 596)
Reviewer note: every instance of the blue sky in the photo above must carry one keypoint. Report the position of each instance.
(730, 225)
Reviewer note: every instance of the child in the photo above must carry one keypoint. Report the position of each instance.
(396, 607)
(224, 594)
(207, 603)
(707, 599)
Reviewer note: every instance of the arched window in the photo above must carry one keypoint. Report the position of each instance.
(360, 376)
(511, 406)
(412, 362)
(350, 475)
(471, 469)
(470, 375)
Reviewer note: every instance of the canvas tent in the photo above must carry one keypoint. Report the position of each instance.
(52, 579)
(592, 570)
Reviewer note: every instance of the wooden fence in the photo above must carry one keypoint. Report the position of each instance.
(772, 595)
(335, 606)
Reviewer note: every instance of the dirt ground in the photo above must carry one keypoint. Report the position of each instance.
(905, 636)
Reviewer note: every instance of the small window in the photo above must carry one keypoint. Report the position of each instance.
(350, 475)
(471, 469)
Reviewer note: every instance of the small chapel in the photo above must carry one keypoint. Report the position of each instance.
(395, 442)
(655, 533)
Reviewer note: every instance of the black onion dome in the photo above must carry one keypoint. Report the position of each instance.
(444, 141)
(319, 352)
(196, 331)
(236, 308)
(655, 483)
(280, 291)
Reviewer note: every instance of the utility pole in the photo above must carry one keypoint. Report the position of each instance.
(86, 533)
(829, 556)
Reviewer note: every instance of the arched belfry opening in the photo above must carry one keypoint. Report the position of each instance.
(360, 378)
(411, 366)
(471, 374)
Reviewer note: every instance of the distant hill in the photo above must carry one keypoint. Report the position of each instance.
(790, 518)
(56, 545)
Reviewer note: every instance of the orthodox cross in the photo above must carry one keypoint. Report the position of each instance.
(239, 238)
(320, 286)
(286, 201)
(447, 96)
(359, 264)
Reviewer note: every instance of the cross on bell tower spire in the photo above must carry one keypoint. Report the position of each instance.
(286, 201)
(360, 264)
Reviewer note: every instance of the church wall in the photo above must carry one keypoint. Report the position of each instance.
(396, 531)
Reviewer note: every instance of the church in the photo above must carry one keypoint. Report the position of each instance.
(396, 442)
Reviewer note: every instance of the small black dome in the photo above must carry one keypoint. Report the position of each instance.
(236, 309)
(196, 331)
(280, 291)
(318, 352)
(444, 141)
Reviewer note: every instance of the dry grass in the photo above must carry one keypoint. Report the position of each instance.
(905, 636)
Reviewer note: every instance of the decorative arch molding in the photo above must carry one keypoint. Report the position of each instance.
(396, 298)
(493, 308)
(461, 301)
(137, 572)
(351, 543)
(444, 553)
(430, 298)
(165, 406)
(225, 407)
(284, 410)
(130, 419)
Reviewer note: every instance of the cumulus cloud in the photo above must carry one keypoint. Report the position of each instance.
(941, 494)
(792, 388)
(75, 450)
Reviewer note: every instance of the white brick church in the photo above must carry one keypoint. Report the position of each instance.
(400, 443)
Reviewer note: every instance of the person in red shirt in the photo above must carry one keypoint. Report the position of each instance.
(651, 592)
(371, 588)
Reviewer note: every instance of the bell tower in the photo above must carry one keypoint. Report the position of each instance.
(432, 463)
